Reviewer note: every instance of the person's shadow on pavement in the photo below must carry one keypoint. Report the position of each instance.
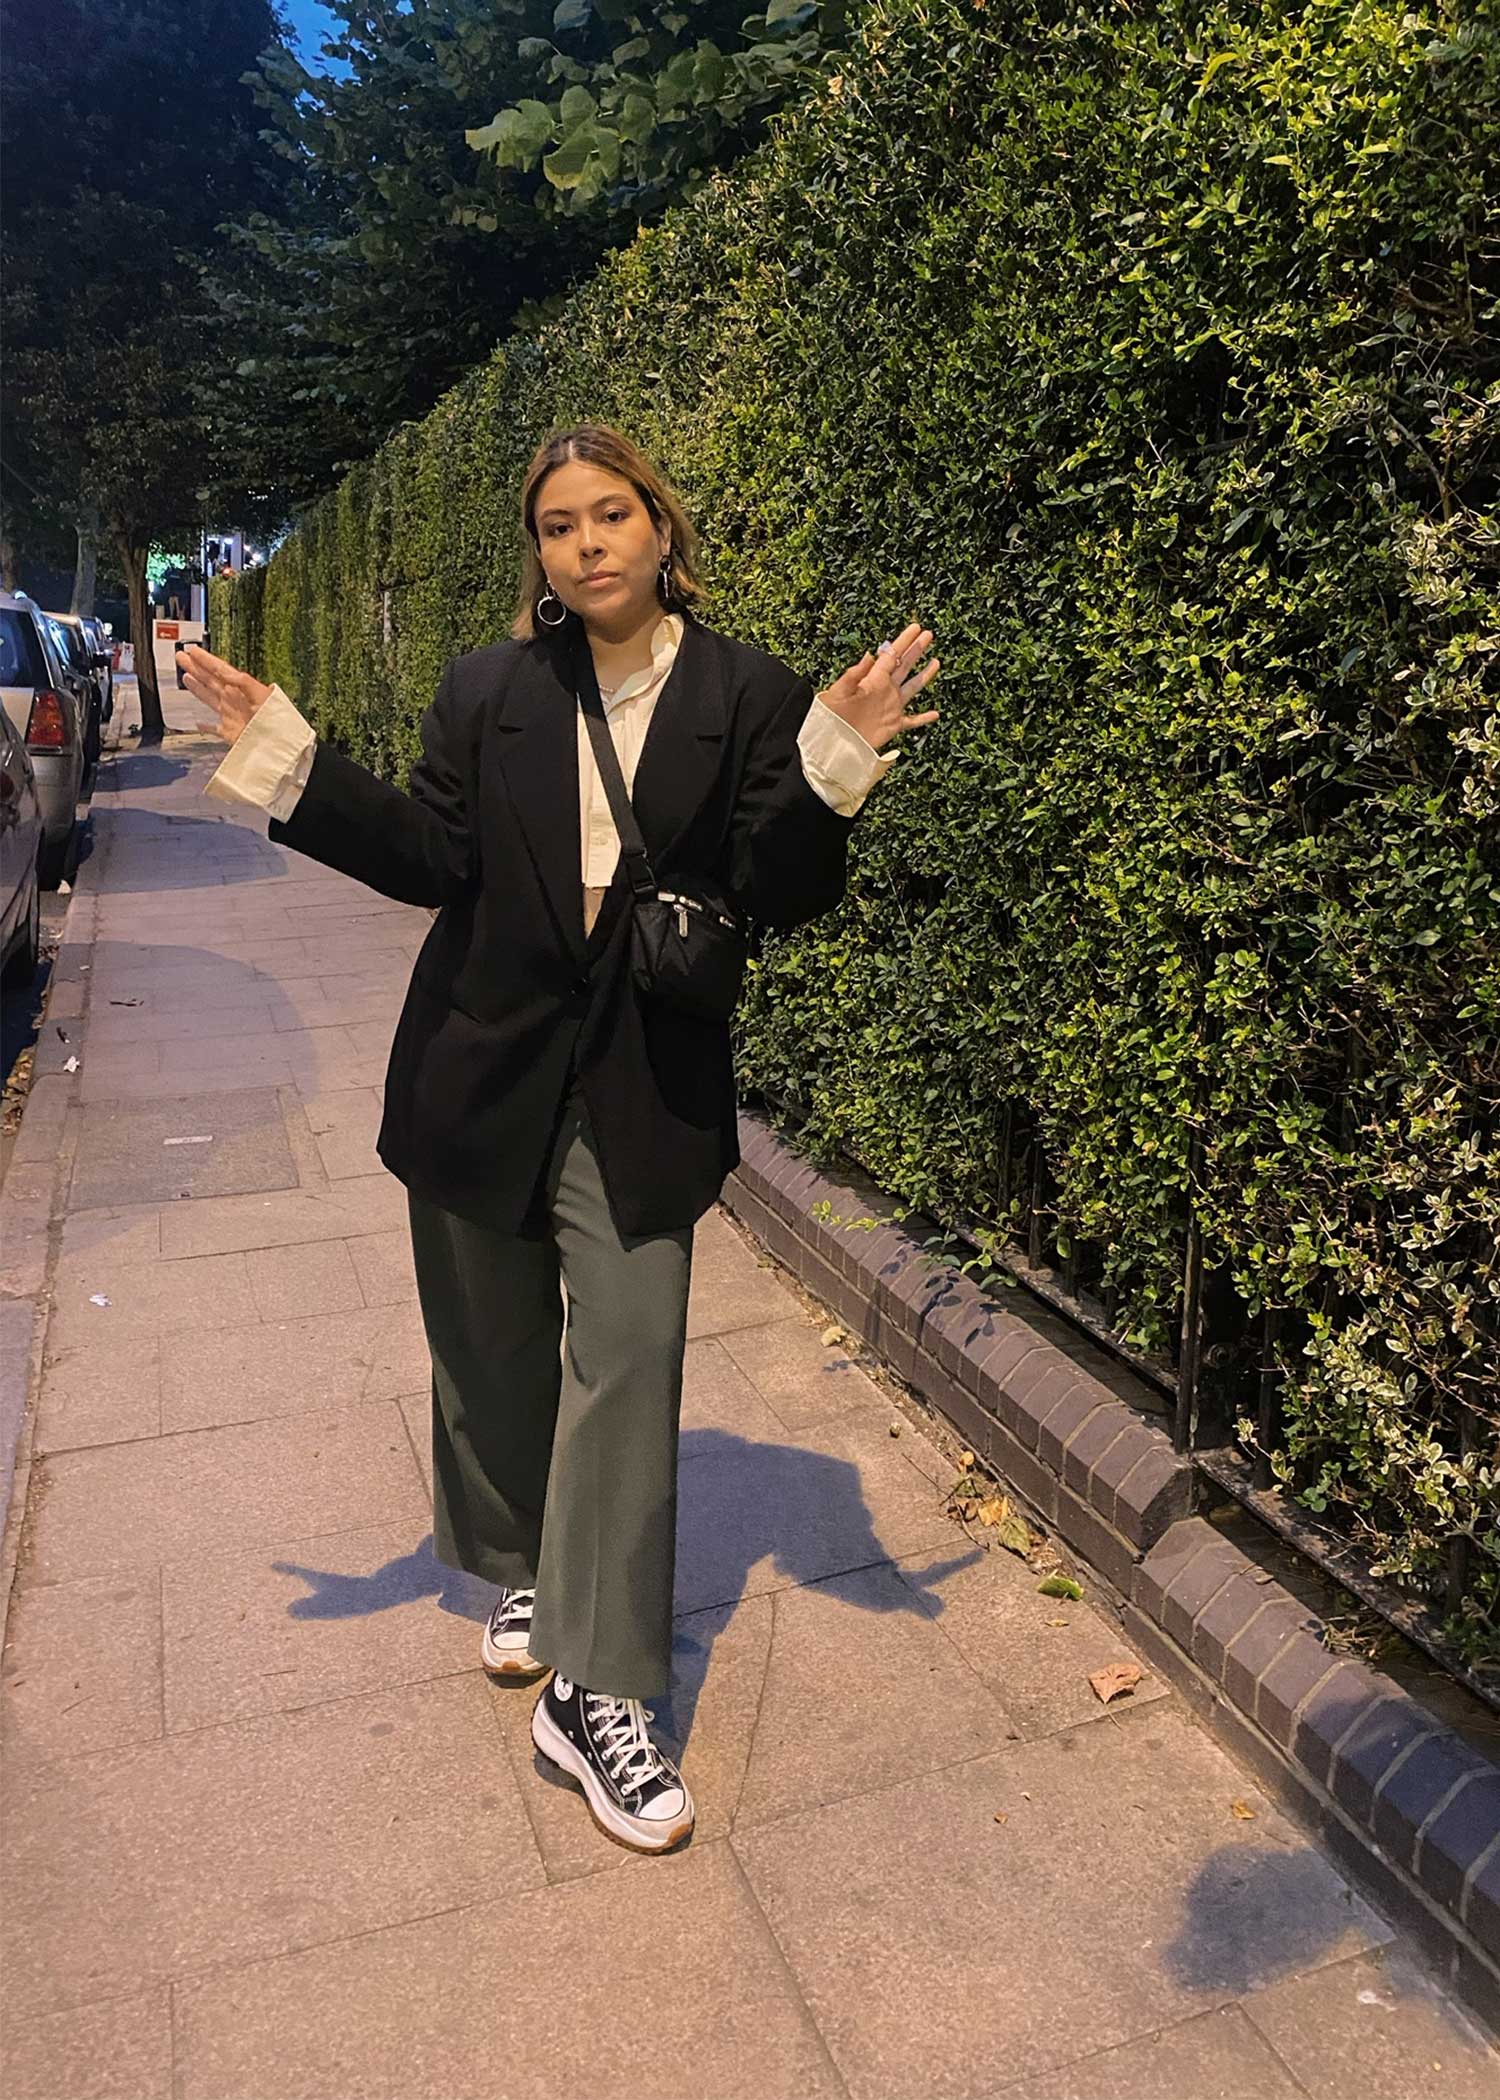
(739, 1503)
(416, 1574)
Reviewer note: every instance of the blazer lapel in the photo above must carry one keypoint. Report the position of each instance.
(684, 745)
(538, 756)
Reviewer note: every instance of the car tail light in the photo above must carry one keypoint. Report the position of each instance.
(48, 728)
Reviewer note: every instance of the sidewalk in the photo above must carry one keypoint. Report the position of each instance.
(272, 1835)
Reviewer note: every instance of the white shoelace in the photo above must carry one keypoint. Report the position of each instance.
(518, 1604)
(630, 1757)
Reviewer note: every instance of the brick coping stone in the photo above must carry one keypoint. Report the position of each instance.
(1404, 1803)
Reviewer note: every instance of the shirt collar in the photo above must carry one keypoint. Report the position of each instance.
(665, 640)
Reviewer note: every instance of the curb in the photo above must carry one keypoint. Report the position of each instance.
(1409, 1809)
(32, 1197)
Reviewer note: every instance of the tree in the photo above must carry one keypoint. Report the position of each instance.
(129, 137)
(396, 257)
(642, 110)
(420, 227)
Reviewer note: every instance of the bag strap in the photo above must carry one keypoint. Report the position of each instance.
(632, 845)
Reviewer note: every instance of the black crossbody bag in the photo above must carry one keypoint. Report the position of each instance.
(686, 950)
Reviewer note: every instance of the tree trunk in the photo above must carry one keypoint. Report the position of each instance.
(10, 563)
(132, 553)
(86, 565)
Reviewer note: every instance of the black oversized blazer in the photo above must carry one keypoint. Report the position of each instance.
(507, 998)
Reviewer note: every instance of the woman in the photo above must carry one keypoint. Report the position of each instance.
(551, 1124)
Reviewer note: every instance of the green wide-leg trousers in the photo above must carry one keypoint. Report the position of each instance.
(552, 1470)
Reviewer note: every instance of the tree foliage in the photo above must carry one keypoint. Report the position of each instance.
(399, 254)
(645, 101)
(128, 137)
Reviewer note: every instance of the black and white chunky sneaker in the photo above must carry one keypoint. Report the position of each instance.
(504, 1647)
(634, 1792)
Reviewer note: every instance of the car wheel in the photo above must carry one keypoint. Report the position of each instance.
(22, 966)
(56, 854)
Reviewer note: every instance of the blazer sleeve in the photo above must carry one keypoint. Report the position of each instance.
(417, 847)
(788, 847)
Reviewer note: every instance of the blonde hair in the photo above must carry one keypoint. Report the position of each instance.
(597, 445)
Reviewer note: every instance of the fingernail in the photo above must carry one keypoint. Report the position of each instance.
(884, 649)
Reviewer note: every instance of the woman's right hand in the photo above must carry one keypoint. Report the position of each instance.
(233, 695)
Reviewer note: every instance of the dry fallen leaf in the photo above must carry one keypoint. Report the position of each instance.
(965, 1461)
(1057, 1622)
(1015, 1534)
(830, 1335)
(1118, 1679)
(895, 1429)
(1243, 1810)
(1001, 1816)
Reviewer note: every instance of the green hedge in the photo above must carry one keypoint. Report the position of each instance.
(1149, 356)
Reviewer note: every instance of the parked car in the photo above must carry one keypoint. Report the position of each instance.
(47, 713)
(104, 660)
(21, 847)
(76, 648)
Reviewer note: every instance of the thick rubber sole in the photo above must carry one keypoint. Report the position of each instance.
(509, 1667)
(625, 1830)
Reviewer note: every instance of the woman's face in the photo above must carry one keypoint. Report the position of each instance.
(599, 549)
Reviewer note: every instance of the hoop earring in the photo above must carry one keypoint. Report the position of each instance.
(562, 610)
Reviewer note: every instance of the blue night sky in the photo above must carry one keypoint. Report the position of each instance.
(310, 23)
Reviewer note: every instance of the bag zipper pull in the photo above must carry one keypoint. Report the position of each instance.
(682, 920)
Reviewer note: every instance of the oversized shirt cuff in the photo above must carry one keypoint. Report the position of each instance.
(837, 761)
(268, 763)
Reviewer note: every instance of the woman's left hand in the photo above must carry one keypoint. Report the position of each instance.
(872, 696)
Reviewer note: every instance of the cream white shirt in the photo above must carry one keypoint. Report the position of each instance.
(268, 763)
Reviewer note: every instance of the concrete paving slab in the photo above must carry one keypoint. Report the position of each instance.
(1217, 2056)
(728, 1288)
(515, 1997)
(1374, 2029)
(99, 1298)
(101, 1301)
(755, 1517)
(384, 1265)
(135, 1154)
(130, 1506)
(131, 1232)
(1035, 1653)
(294, 1217)
(308, 1051)
(293, 1282)
(799, 1377)
(98, 1084)
(1121, 1895)
(291, 1367)
(100, 1395)
(82, 1670)
(416, 1412)
(345, 1124)
(121, 2050)
(313, 1008)
(716, 1394)
(861, 1691)
(276, 1628)
(125, 1024)
(227, 1845)
(372, 1038)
